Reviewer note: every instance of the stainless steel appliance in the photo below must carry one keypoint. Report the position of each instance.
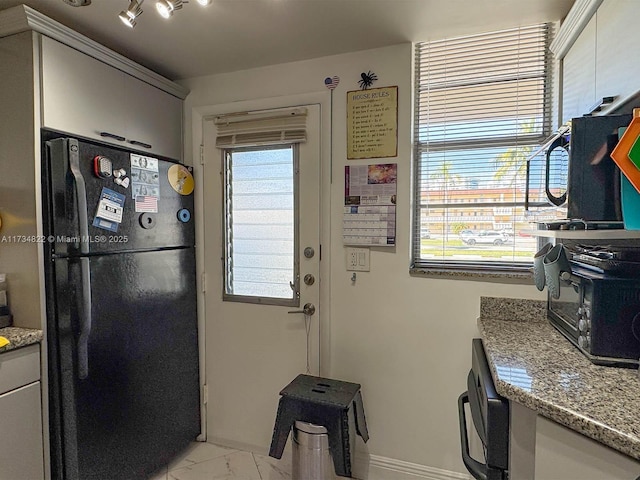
(490, 415)
(599, 313)
(121, 311)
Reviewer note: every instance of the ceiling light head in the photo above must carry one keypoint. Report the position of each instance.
(77, 3)
(129, 15)
(167, 7)
(204, 3)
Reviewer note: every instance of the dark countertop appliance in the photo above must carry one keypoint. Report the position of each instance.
(598, 308)
(122, 335)
(581, 174)
(593, 190)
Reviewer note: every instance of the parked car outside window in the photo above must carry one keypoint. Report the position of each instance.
(484, 237)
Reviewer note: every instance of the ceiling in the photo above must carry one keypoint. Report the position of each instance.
(231, 35)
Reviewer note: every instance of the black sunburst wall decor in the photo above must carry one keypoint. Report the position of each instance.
(367, 79)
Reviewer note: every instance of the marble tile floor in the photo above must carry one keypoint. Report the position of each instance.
(205, 461)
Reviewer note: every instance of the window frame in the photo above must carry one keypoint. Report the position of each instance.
(422, 266)
(226, 175)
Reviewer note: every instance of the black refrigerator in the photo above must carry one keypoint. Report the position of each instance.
(122, 339)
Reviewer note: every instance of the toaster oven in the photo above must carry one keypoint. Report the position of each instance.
(600, 314)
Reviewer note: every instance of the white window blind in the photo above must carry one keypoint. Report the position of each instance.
(260, 192)
(482, 105)
(249, 129)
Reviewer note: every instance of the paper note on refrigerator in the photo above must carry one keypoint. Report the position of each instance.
(110, 209)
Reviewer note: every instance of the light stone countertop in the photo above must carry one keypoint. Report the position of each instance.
(19, 337)
(535, 366)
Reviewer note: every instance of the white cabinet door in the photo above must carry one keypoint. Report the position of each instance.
(564, 454)
(84, 96)
(617, 67)
(579, 74)
(80, 95)
(21, 455)
(154, 119)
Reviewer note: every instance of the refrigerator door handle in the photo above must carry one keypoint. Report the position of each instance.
(81, 194)
(84, 312)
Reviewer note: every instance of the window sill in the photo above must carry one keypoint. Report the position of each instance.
(500, 276)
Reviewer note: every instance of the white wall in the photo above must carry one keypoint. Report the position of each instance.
(406, 340)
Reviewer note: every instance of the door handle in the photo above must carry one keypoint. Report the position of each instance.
(308, 309)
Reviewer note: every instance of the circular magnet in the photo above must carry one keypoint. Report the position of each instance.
(147, 220)
(184, 215)
(180, 179)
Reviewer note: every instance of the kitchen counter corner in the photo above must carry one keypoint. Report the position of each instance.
(535, 366)
(19, 337)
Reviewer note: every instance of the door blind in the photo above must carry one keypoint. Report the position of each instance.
(250, 129)
(482, 105)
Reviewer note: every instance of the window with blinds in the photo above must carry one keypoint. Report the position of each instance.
(260, 151)
(482, 106)
(260, 191)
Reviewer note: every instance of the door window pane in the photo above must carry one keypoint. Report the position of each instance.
(260, 225)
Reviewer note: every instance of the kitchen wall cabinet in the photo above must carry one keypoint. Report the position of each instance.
(601, 62)
(84, 96)
(21, 455)
(579, 74)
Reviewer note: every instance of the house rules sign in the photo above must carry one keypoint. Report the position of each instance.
(372, 123)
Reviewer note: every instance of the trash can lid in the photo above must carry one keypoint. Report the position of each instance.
(310, 428)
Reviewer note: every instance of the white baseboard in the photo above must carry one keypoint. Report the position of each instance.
(382, 468)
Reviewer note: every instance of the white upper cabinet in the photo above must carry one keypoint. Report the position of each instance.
(601, 62)
(84, 96)
(579, 73)
(617, 66)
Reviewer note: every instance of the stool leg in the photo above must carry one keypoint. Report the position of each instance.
(338, 430)
(361, 421)
(284, 421)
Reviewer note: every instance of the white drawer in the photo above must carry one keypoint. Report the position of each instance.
(19, 367)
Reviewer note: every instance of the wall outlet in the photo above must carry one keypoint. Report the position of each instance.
(357, 259)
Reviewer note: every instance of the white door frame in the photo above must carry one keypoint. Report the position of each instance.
(198, 116)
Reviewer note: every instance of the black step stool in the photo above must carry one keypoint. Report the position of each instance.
(326, 402)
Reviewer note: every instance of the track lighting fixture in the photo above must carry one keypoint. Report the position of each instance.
(167, 7)
(164, 7)
(129, 15)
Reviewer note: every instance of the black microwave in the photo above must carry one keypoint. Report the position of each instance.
(600, 314)
(580, 172)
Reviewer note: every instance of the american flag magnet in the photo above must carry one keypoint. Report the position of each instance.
(331, 82)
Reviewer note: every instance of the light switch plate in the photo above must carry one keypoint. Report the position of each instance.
(358, 259)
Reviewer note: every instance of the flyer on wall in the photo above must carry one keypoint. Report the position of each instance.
(369, 217)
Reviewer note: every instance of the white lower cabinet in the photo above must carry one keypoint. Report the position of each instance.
(564, 454)
(21, 440)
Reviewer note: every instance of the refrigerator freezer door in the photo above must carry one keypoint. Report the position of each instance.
(89, 212)
(138, 404)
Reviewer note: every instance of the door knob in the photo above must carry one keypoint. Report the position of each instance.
(308, 309)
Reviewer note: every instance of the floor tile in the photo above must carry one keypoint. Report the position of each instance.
(160, 475)
(234, 466)
(273, 469)
(199, 452)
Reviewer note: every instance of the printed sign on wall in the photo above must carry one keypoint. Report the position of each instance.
(372, 123)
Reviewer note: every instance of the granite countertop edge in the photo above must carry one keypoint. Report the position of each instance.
(20, 337)
(531, 314)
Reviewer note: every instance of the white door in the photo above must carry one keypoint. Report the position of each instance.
(254, 348)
